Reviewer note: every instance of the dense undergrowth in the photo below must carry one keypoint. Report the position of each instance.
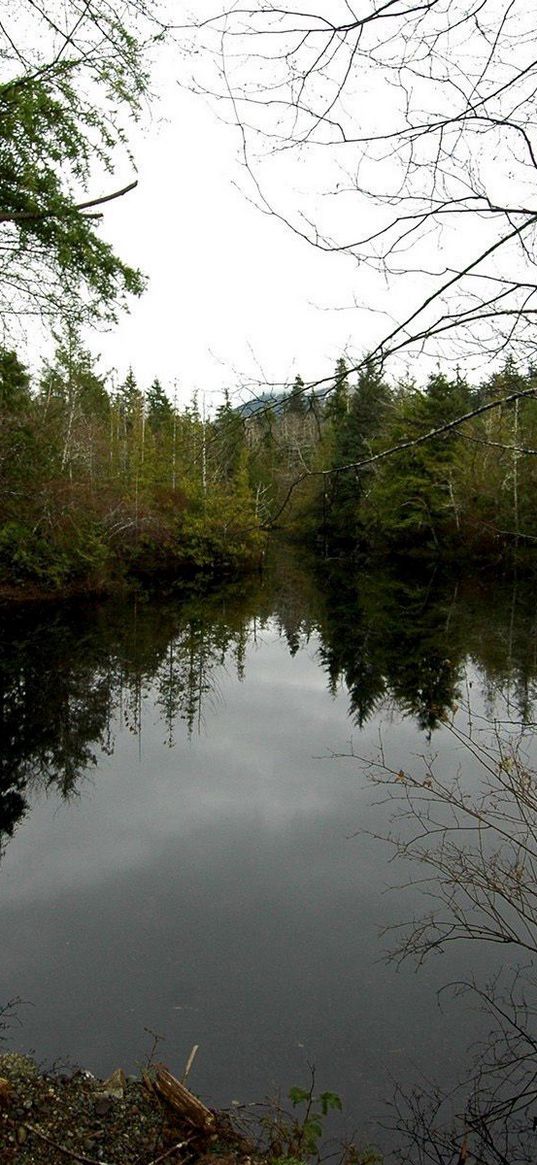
(96, 488)
(100, 485)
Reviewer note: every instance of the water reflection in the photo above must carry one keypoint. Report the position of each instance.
(65, 673)
(470, 842)
(408, 637)
(250, 862)
(491, 1117)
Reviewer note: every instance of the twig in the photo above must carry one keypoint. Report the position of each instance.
(168, 1153)
(63, 1149)
(189, 1063)
(30, 216)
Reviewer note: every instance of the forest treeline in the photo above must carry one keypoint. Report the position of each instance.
(468, 491)
(100, 482)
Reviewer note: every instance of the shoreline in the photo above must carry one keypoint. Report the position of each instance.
(48, 1118)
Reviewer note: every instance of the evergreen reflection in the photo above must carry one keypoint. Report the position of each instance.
(407, 638)
(67, 674)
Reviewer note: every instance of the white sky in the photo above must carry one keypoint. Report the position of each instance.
(235, 300)
(233, 296)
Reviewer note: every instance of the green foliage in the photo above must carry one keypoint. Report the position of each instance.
(95, 485)
(310, 1129)
(71, 78)
(327, 1100)
(296, 1139)
(45, 135)
(292, 1137)
(227, 442)
(337, 405)
(354, 432)
(159, 408)
(468, 490)
(413, 496)
(296, 401)
(91, 490)
(14, 383)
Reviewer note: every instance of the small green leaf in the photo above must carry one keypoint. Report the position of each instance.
(298, 1095)
(330, 1100)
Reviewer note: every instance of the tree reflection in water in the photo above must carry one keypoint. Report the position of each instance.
(67, 675)
(473, 838)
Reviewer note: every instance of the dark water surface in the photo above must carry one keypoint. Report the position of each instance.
(183, 853)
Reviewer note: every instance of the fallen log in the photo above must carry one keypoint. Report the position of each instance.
(187, 1106)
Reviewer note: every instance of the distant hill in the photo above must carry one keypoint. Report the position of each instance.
(269, 400)
(260, 403)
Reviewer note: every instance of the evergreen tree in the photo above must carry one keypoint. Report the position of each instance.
(352, 441)
(159, 407)
(19, 453)
(129, 400)
(228, 441)
(71, 381)
(295, 403)
(72, 79)
(14, 383)
(337, 405)
(446, 399)
(73, 404)
(414, 498)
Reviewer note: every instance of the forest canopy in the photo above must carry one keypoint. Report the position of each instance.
(101, 481)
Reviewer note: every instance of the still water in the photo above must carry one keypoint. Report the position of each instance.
(188, 851)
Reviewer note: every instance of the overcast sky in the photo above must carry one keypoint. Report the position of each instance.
(236, 300)
(232, 296)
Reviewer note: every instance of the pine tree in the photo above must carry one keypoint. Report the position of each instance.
(14, 383)
(159, 407)
(129, 398)
(352, 441)
(295, 403)
(337, 405)
(74, 402)
(229, 440)
(415, 497)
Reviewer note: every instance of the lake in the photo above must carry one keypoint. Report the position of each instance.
(189, 849)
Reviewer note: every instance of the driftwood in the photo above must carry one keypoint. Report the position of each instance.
(187, 1106)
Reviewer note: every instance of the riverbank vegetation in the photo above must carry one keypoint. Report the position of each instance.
(101, 482)
(98, 485)
(388, 468)
(48, 1117)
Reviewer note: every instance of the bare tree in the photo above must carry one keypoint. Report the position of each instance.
(407, 128)
(472, 839)
(489, 1117)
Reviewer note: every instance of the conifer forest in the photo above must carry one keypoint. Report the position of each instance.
(102, 483)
